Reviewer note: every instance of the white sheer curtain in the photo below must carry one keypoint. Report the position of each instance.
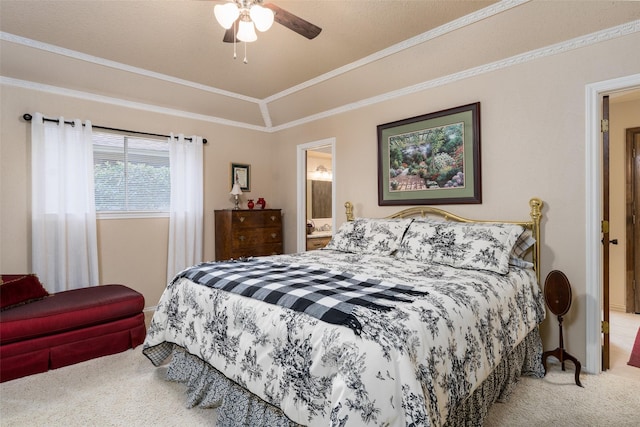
(185, 223)
(63, 219)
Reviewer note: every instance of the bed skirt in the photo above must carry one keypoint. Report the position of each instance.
(208, 388)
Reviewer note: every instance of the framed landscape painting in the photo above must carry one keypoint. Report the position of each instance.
(431, 159)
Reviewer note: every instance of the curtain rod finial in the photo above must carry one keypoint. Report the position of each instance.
(27, 117)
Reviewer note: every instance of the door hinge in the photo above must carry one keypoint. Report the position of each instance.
(604, 125)
(605, 327)
(604, 226)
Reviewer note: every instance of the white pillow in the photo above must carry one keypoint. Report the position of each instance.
(475, 246)
(369, 235)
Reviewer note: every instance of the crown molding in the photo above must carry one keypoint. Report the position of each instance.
(566, 46)
(449, 27)
(8, 81)
(119, 66)
(562, 47)
(263, 104)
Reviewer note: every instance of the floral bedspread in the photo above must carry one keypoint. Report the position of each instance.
(410, 365)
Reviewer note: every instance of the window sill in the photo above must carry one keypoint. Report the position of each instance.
(131, 215)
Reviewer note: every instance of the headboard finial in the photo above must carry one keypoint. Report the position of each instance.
(349, 211)
(536, 208)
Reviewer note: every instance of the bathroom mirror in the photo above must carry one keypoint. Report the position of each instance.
(321, 199)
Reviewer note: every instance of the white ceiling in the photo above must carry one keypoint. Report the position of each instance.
(169, 55)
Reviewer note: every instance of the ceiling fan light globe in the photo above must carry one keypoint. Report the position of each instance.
(226, 14)
(261, 17)
(247, 32)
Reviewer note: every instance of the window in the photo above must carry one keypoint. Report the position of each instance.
(131, 174)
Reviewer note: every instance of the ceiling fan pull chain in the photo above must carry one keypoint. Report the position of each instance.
(245, 53)
(234, 40)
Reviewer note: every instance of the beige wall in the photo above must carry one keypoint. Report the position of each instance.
(623, 115)
(533, 144)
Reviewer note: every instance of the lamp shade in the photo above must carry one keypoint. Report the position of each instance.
(236, 191)
(226, 14)
(247, 32)
(261, 17)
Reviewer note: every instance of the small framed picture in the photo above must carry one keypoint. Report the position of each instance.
(241, 174)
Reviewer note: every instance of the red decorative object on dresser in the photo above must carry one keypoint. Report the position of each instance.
(41, 331)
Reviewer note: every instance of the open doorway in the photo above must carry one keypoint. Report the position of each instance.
(319, 200)
(625, 298)
(316, 194)
(594, 207)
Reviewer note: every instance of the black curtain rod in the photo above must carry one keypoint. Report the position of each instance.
(28, 118)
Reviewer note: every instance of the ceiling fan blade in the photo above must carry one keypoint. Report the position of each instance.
(293, 22)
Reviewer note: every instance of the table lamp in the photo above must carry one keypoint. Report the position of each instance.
(236, 192)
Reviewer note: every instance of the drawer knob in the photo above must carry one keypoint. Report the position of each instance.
(273, 235)
(241, 238)
(273, 218)
(241, 219)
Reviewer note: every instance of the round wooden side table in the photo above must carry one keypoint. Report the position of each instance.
(557, 295)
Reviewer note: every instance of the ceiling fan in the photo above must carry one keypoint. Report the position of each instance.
(241, 17)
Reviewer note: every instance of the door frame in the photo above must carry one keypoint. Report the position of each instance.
(605, 232)
(593, 215)
(301, 223)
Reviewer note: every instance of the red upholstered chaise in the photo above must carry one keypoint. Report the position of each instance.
(51, 331)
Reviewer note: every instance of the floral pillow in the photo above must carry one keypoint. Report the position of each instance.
(368, 235)
(462, 245)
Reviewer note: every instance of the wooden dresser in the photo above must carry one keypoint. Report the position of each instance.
(244, 232)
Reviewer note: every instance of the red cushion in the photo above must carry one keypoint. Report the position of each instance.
(69, 310)
(20, 289)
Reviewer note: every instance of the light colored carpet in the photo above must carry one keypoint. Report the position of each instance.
(126, 390)
(606, 400)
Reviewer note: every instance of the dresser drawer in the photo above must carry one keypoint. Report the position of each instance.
(248, 237)
(253, 219)
(262, 250)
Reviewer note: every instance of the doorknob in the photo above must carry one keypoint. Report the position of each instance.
(613, 242)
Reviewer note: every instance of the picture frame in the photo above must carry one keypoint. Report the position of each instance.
(432, 159)
(241, 173)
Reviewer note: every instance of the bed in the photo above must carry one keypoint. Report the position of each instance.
(422, 318)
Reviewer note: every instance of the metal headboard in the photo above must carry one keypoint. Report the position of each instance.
(535, 206)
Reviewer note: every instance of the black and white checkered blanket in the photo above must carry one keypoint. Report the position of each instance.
(324, 294)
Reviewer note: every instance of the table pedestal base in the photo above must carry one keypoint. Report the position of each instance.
(562, 355)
